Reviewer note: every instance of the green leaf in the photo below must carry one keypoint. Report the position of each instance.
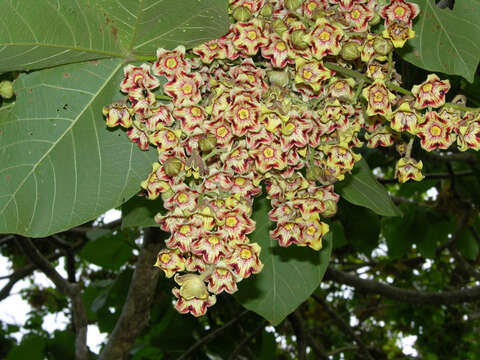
(109, 251)
(338, 234)
(61, 166)
(467, 244)
(361, 226)
(139, 212)
(144, 26)
(78, 30)
(446, 40)
(361, 188)
(31, 347)
(289, 276)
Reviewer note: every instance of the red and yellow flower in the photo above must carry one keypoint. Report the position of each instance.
(435, 132)
(431, 93)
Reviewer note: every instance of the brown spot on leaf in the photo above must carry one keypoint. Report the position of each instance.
(8, 177)
(114, 31)
(67, 75)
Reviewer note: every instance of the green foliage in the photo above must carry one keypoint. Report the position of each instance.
(445, 39)
(289, 275)
(361, 188)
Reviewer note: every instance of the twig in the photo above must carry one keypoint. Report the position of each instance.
(246, 340)
(430, 176)
(298, 327)
(343, 326)
(211, 336)
(136, 310)
(404, 295)
(68, 289)
(342, 349)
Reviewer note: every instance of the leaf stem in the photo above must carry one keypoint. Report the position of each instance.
(163, 97)
(145, 58)
(461, 108)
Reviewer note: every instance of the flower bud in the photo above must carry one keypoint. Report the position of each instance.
(266, 10)
(172, 166)
(279, 27)
(375, 19)
(330, 208)
(382, 46)
(6, 89)
(293, 4)
(191, 286)
(241, 13)
(299, 39)
(313, 173)
(208, 142)
(350, 51)
(278, 78)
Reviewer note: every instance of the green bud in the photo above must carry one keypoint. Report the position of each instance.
(382, 46)
(208, 142)
(350, 51)
(266, 10)
(172, 166)
(293, 4)
(278, 78)
(300, 39)
(279, 27)
(375, 19)
(6, 89)
(241, 13)
(314, 173)
(330, 208)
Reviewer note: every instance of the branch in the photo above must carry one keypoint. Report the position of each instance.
(29, 269)
(136, 310)
(68, 289)
(430, 176)
(404, 295)
(343, 326)
(210, 336)
(245, 341)
(298, 327)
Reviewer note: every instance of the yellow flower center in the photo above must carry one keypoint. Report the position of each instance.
(281, 46)
(240, 181)
(339, 85)
(184, 229)
(243, 114)
(252, 35)
(212, 46)
(222, 271)
(312, 6)
(427, 87)
(289, 128)
(137, 78)
(435, 130)
(231, 221)
(222, 131)
(171, 63)
(245, 254)
(311, 230)
(288, 227)
(399, 11)
(355, 14)
(213, 240)
(268, 152)
(251, 78)
(196, 111)
(187, 89)
(165, 258)
(307, 74)
(171, 136)
(182, 198)
(235, 153)
(378, 96)
(324, 36)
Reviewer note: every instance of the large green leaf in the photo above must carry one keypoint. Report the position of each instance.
(143, 26)
(36, 34)
(289, 276)
(361, 188)
(446, 40)
(139, 212)
(60, 166)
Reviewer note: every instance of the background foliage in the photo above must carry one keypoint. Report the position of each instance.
(60, 169)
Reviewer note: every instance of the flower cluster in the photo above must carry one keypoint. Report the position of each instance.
(283, 99)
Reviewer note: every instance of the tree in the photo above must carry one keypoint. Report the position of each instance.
(314, 95)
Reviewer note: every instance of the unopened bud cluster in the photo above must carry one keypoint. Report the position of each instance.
(276, 102)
